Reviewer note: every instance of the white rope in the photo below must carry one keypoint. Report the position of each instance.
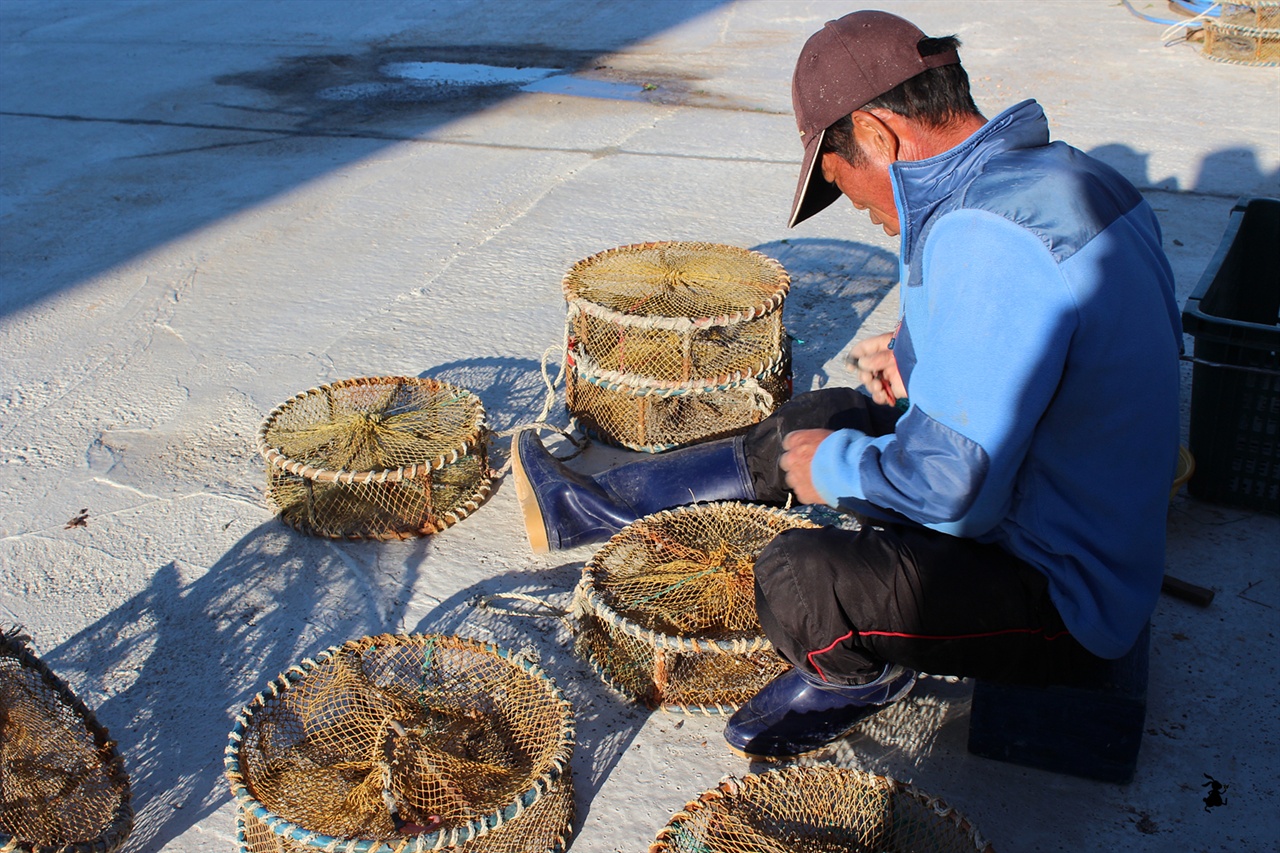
(486, 602)
(549, 401)
(760, 398)
(552, 384)
(1183, 27)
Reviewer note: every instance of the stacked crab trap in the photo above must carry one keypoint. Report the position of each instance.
(63, 786)
(376, 458)
(405, 743)
(817, 809)
(665, 611)
(670, 343)
(1243, 32)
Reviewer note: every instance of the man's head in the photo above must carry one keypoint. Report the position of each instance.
(856, 78)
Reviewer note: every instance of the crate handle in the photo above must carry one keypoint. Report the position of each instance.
(1265, 371)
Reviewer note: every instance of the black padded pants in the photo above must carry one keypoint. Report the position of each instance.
(840, 604)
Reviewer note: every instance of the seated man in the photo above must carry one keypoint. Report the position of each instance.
(1014, 498)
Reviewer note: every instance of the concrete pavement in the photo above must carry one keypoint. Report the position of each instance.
(208, 207)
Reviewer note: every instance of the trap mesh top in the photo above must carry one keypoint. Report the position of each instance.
(62, 783)
(673, 312)
(679, 280)
(817, 809)
(666, 609)
(405, 743)
(377, 458)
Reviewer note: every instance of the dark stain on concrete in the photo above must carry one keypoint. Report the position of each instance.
(303, 79)
(331, 89)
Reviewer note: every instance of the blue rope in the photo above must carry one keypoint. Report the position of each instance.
(1208, 8)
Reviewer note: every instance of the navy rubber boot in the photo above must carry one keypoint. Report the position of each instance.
(563, 509)
(798, 713)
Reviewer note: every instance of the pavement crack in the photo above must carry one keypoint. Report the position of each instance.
(195, 125)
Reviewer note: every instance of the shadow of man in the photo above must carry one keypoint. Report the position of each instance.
(835, 286)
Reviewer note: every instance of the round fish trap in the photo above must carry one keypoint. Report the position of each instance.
(376, 458)
(63, 785)
(672, 343)
(1244, 33)
(817, 809)
(405, 743)
(666, 612)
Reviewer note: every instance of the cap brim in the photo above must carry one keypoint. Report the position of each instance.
(814, 193)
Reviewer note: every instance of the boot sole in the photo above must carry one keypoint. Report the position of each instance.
(534, 527)
(817, 749)
(751, 756)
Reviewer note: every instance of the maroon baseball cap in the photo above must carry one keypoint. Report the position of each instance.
(843, 66)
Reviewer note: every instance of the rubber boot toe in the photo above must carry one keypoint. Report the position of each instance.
(796, 713)
(561, 508)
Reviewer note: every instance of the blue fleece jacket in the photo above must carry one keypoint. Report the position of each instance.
(1039, 346)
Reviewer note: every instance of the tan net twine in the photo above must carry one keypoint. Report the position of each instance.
(671, 343)
(665, 610)
(817, 809)
(376, 458)
(1244, 33)
(405, 743)
(63, 785)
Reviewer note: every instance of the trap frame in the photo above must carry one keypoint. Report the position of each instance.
(386, 457)
(665, 610)
(1245, 32)
(405, 743)
(63, 785)
(670, 343)
(818, 808)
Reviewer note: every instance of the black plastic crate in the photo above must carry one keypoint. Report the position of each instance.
(1234, 317)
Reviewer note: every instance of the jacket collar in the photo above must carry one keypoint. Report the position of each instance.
(920, 186)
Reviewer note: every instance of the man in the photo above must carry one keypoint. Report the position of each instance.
(1012, 461)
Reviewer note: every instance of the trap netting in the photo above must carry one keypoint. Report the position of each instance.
(376, 458)
(63, 784)
(405, 743)
(665, 611)
(671, 343)
(1244, 33)
(817, 809)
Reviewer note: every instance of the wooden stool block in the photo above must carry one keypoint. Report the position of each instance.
(1091, 729)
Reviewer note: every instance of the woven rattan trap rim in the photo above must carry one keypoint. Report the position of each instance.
(387, 475)
(733, 787)
(769, 300)
(656, 662)
(643, 386)
(384, 457)
(556, 770)
(116, 830)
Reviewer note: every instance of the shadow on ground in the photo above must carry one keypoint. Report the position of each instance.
(525, 612)
(202, 149)
(835, 285)
(180, 659)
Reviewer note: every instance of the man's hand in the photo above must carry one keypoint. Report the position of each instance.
(798, 448)
(877, 368)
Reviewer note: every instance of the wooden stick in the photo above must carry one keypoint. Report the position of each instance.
(1187, 591)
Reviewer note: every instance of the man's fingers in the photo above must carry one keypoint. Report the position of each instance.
(876, 362)
(870, 345)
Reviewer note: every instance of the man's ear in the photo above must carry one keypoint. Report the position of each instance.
(874, 136)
